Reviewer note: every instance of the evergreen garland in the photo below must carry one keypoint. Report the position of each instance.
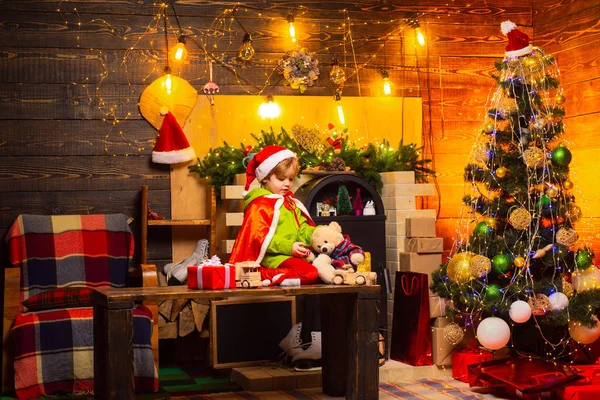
(221, 165)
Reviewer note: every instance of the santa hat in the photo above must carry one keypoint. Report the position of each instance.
(518, 42)
(171, 145)
(264, 162)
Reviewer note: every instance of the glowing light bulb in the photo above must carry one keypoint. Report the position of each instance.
(387, 85)
(290, 19)
(420, 37)
(340, 110)
(179, 53)
(269, 109)
(246, 51)
(168, 83)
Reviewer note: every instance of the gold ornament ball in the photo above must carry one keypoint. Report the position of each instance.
(481, 153)
(560, 99)
(574, 212)
(337, 75)
(567, 184)
(551, 192)
(540, 304)
(489, 127)
(458, 269)
(453, 333)
(582, 334)
(501, 172)
(491, 222)
(520, 218)
(519, 262)
(534, 157)
(566, 236)
(479, 266)
(568, 288)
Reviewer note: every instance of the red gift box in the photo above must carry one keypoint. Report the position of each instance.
(461, 359)
(211, 277)
(586, 389)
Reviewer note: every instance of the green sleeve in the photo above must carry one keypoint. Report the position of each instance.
(280, 245)
(305, 231)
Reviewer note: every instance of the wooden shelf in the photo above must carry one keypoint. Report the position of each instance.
(183, 222)
(145, 222)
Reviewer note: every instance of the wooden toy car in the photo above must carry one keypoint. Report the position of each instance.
(349, 277)
(247, 275)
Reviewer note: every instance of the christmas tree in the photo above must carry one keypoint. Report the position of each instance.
(518, 275)
(344, 205)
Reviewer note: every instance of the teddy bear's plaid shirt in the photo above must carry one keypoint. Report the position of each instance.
(340, 256)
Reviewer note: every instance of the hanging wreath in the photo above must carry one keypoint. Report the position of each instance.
(299, 68)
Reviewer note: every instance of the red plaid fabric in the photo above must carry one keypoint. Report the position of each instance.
(62, 258)
(60, 298)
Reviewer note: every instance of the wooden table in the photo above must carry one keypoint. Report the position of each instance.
(349, 335)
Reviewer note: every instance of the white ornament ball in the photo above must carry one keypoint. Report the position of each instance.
(519, 311)
(582, 334)
(558, 301)
(493, 333)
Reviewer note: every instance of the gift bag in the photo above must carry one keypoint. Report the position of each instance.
(411, 335)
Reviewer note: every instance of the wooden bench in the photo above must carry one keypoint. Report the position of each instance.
(349, 335)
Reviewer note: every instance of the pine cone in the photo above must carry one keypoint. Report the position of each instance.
(326, 166)
(338, 164)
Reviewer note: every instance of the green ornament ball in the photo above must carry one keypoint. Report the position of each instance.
(583, 259)
(561, 156)
(482, 229)
(543, 201)
(492, 292)
(501, 263)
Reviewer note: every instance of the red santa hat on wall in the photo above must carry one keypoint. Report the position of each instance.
(172, 146)
(264, 162)
(518, 42)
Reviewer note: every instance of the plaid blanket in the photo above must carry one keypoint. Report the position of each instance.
(54, 348)
(70, 250)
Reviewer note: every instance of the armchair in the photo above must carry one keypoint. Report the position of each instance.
(48, 334)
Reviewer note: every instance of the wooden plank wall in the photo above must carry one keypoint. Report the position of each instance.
(61, 71)
(569, 30)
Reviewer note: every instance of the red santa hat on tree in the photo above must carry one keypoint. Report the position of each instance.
(172, 146)
(264, 162)
(518, 42)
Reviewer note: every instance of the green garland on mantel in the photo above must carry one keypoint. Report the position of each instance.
(221, 165)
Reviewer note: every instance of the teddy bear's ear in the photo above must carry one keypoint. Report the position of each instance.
(335, 226)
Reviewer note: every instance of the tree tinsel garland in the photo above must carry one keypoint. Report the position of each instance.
(221, 165)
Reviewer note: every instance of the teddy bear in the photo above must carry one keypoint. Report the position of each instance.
(334, 251)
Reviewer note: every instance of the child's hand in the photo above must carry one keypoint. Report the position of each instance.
(300, 250)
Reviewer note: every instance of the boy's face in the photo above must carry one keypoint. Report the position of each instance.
(279, 184)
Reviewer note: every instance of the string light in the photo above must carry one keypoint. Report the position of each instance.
(337, 98)
(290, 19)
(269, 109)
(387, 85)
(167, 84)
(414, 23)
(179, 53)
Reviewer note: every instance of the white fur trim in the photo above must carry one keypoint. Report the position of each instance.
(271, 162)
(507, 26)
(173, 157)
(272, 228)
(303, 209)
(520, 52)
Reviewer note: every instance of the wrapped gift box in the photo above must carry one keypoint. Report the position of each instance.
(587, 388)
(437, 307)
(420, 227)
(423, 245)
(461, 359)
(211, 277)
(441, 350)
